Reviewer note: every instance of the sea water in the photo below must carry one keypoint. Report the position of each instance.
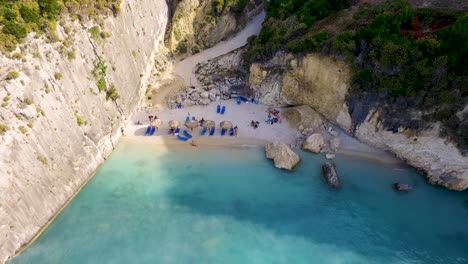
(232, 206)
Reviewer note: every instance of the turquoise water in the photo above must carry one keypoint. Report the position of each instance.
(232, 206)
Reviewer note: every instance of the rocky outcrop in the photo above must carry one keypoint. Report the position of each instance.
(314, 143)
(60, 126)
(319, 82)
(330, 175)
(197, 24)
(426, 150)
(322, 83)
(303, 117)
(282, 155)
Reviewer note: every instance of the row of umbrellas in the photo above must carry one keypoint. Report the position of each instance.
(194, 123)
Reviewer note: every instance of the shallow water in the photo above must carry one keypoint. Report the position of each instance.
(232, 206)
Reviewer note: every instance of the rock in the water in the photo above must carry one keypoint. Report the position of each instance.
(330, 156)
(335, 143)
(314, 143)
(282, 155)
(330, 175)
(402, 187)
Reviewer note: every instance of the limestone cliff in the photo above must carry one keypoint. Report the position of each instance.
(323, 84)
(197, 25)
(57, 126)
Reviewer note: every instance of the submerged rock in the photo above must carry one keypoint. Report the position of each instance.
(314, 143)
(330, 175)
(282, 155)
(402, 187)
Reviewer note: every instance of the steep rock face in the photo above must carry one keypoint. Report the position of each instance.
(322, 83)
(46, 155)
(319, 82)
(197, 24)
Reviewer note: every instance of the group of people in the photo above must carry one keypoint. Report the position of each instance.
(254, 124)
(273, 116)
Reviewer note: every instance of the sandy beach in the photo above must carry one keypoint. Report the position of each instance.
(240, 116)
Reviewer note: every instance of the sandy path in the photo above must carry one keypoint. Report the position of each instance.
(185, 67)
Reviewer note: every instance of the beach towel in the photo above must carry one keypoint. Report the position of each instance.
(203, 132)
(153, 129)
(182, 138)
(148, 130)
(212, 131)
(177, 131)
(187, 134)
(193, 118)
(231, 131)
(238, 100)
(187, 118)
(223, 132)
(223, 109)
(218, 109)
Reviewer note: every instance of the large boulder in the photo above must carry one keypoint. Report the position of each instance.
(282, 155)
(314, 143)
(330, 175)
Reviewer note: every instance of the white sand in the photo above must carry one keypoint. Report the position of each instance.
(240, 116)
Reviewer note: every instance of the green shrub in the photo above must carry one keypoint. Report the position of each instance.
(3, 128)
(4, 104)
(28, 101)
(12, 75)
(15, 29)
(6, 98)
(80, 120)
(112, 93)
(23, 130)
(58, 75)
(42, 159)
(30, 124)
(101, 84)
(40, 111)
(95, 33)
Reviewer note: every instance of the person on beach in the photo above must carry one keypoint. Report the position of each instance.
(122, 130)
(201, 121)
(235, 131)
(193, 143)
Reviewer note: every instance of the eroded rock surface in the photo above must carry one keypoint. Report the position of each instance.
(282, 155)
(314, 143)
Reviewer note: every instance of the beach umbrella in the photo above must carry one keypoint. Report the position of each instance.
(191, 123)
(174, 124)
(209, 123)
(225, 124)
(157, 122)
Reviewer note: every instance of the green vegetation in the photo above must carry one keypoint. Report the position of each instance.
(112, 93)
(23, 130)
(99, 72)
(28, 101)
(3, 128)
(404, 59)
(80, 120)
(101, 84)
(4, 104)
(58, 75)
(30, 124)
(287, 24)
(12, 75)
(19, 17)
(6, 98)
(46, 88)
(42, 159)
(40, 111)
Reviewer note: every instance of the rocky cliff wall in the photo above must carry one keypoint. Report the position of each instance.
(323, 83)
(57, 127)
(197, 24)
